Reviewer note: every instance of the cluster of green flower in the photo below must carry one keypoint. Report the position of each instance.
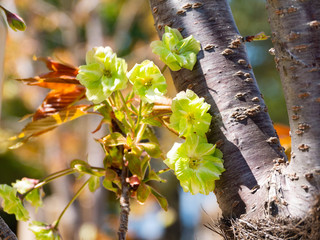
(196, 163)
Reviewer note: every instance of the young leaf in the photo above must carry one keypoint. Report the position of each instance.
(34, 197)
(152, 176)
(153, 149)
(94, 183)
(114, 139)
(144, 165)
(84, 167)
(161, 199)
(110, 175)
(66, 89)
(108, 185)
(44, 231)
(12, 204)
(152, 122)
(134, 164)
(48, 123)
(143, 192)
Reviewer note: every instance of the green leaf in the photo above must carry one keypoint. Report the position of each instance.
(143, 192)
(150, 135)
(12, 204)
(152, 122)
(147, 109)
(161, 199)
(114, 139)
(134, 164)
(153, 149)
(144, 164)
(44, 231)
(110, 175)
(94, 183)
(108, 185)
(152, 176)
(119, 115)
(34, 197)
(81, 166)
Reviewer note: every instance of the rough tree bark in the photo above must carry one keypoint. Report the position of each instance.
(296, 37)
(258, 182)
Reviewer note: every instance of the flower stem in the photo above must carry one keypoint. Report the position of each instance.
(124, 203)
(164, 68)
(71, 201)
(48, 179)
(126, 109)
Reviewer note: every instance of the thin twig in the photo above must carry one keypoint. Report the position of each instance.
(124, 203)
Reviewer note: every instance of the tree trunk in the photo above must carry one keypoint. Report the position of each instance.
(258, 181)
(225, 79)
(295, 29)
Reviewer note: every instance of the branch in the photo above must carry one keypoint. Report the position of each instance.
(5, 231)
(124, 203)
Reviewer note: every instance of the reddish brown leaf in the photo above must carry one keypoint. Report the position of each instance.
(61, 76)
(41, 126)
(66, 89)
(57, 100)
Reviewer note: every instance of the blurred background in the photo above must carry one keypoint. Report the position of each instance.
(65, 30)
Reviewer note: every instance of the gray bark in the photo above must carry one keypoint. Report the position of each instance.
(5, 231)
(295, 29)
(241, 123)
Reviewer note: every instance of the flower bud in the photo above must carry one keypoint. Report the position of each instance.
(15, 21)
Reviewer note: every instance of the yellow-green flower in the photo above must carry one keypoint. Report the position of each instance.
(103, 74)
(175, 51)
(44, 231)
(189, 114)
(148, 81)
(196, 163)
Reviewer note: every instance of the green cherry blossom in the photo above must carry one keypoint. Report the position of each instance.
(189, 114)
(175, 51)
(148, 81)
(44, 231)
(26, 184)
(196, 163)
(103, 74)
